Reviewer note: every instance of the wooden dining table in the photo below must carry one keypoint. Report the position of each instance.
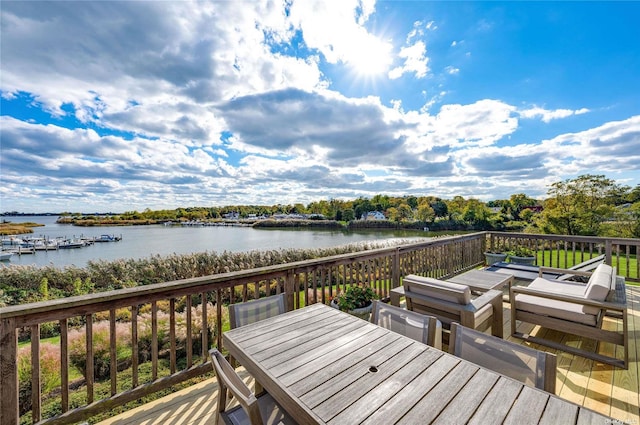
(325, 366)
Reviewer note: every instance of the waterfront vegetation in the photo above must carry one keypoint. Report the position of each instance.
(25, 284)
(8, 228)
(589, 205)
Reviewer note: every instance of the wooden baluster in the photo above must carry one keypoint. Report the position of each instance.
(205, 329)
(154, 340)
(172, 335)
(134, 346)
(89, 366)
(64, 364)
(189, 334)
(36, 389)
(113, 352)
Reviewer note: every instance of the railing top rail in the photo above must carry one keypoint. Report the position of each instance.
(571, 238)
(222, 279)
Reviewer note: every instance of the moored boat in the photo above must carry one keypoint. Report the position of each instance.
(71, 244)
(5, 256)
(108, 238)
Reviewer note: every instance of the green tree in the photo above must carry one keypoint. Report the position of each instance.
(425, 213)
(518, 202)
(405, 212)
(579, 206)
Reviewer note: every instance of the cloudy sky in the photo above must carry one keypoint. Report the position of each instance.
(116, 106)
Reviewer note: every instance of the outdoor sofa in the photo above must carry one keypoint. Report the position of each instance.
(575, 308)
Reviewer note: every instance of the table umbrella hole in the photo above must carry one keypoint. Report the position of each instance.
(373, 369)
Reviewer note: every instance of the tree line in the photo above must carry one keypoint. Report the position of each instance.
(587, 205)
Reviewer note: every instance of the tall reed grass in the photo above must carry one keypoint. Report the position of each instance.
(23, 284)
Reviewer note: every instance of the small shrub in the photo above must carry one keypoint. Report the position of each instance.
(101, 348)
(49, 373)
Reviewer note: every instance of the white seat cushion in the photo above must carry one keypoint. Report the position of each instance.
(555, 308)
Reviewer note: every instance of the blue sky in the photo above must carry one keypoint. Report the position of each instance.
(116, 106)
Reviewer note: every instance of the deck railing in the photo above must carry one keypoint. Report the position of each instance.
(165, 321)
(169, 323)
(564, 251)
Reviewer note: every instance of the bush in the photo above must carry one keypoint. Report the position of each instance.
(101, 348)
(49, 372)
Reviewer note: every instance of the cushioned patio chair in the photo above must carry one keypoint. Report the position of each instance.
(525, 364)
(420, 327)
(261, 410)
(451, 302)
(575, 308)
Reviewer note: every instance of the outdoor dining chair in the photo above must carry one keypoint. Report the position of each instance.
(261, 410)
(420, 327)
(525, 364)
(242, 314)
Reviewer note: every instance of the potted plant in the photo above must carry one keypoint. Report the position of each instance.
(522, 255)
(355, 300)
(495, 254)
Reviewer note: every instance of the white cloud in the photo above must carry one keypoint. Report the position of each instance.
(415, 61)
(451, 70)
(549, 115)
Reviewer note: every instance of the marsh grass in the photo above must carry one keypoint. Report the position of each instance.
(22, 284)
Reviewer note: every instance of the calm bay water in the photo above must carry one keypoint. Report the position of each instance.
(145, 241)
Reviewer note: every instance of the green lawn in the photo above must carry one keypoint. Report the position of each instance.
(620, 263)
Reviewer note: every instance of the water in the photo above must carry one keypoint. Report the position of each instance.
(144, 241)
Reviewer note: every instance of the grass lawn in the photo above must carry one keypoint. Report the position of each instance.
(557, 259)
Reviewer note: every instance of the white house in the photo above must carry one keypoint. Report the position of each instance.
(374, 215)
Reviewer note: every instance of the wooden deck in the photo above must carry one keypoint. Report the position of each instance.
(603, 388)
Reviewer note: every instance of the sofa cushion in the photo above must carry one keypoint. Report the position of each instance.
(439, 289)
(563, 287)
(554, 308)
(599, 283)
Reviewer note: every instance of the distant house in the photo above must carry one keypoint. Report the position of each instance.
(374, 215)
(231, 215)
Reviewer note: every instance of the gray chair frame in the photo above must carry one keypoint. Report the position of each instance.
(243, 314)
(256, 410)
(614, 306)
(545, 363)
(429, 323)
(270, 306)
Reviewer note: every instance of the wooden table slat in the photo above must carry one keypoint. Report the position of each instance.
(558, 412)
(436, 400)
(411, 394)
(373, 399)
(467, 401)
(344, 389)
(497, 404)
(528, 407)
(337, 361)
(301, 355)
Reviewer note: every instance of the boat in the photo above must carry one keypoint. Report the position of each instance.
(5, 256)
(45, 244)
(12, 241)
(108, 238)
(71, 244)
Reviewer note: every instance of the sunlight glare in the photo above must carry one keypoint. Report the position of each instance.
(370, 57)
